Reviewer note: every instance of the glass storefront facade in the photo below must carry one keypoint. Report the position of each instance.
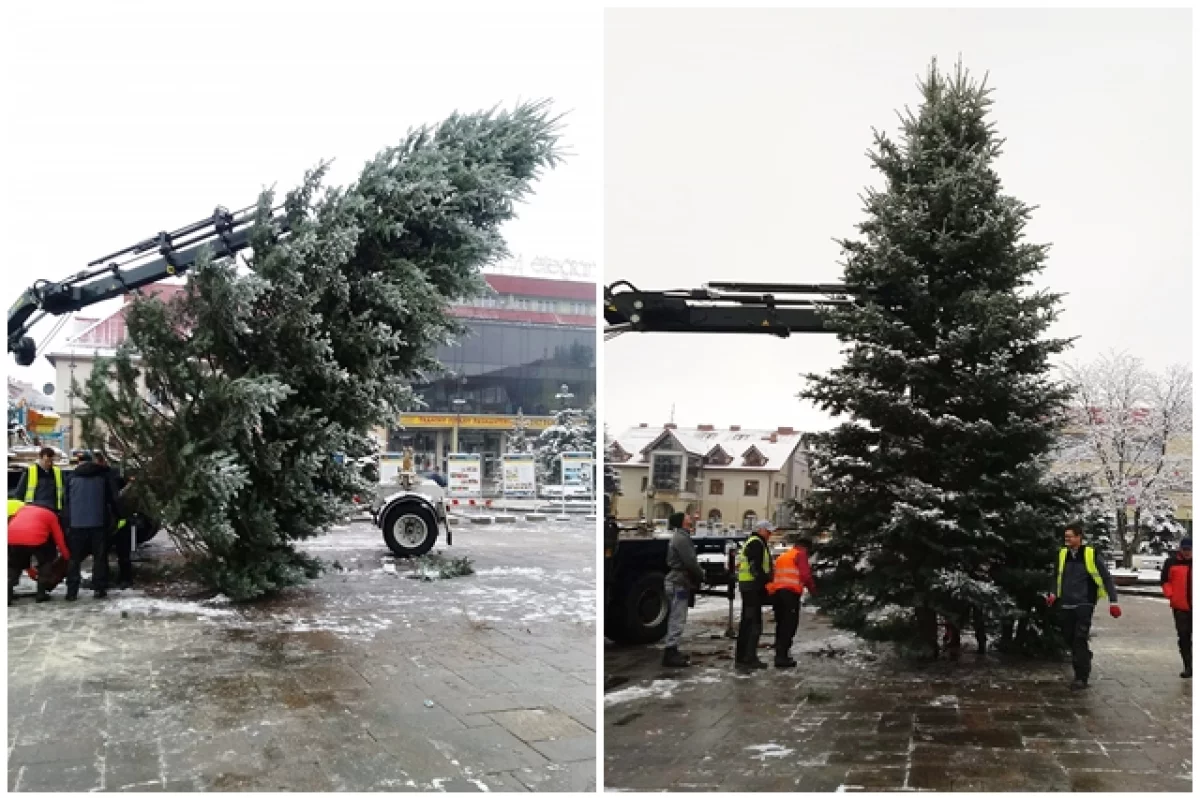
(503, 368)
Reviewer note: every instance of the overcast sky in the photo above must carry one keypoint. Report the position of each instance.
(125, 119)
(734, 150)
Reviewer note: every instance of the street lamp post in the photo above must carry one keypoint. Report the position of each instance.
(563, 395)
(458, 402)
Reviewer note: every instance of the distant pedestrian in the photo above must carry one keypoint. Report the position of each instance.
(1083, 579)
(42, 483)
(792, 575)
(684, 578)
(1177, 586)
(34, 535)
(91, 507)
(754, 574)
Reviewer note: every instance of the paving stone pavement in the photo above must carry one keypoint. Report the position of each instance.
(853, 718)
(363, 680)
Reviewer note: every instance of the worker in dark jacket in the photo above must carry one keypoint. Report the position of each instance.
(684, 577)
(1082, 580)
(91, 508)
(754, 574)
(120, 533)
(42, 483)
(1177, 586)
(34, 535)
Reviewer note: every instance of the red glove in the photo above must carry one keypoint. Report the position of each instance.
(1050, 599)
(1114, 611)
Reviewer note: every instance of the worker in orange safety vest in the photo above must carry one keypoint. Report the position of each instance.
(792, 574)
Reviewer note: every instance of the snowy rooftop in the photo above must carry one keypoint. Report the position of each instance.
(775, 445)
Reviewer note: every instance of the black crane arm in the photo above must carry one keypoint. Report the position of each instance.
(772, 308)
(165, 255)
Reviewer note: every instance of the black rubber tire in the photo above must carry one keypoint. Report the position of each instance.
(614, 623)
(409, 508)
(646, 610)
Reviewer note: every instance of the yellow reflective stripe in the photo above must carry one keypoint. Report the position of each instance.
(14, 506)
(1089, 559)
(1062, 563)
(31, 483)
(58, 484)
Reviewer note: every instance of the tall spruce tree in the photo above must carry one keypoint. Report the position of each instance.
(572, 431)
(256, 381)
(935, 486)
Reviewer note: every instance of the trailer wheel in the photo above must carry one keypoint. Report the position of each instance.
(646, 609)
(409, 529)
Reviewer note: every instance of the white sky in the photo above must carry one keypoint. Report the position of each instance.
(123, 119)
(734, 150)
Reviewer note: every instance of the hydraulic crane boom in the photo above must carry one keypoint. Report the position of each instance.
(773, 308)
(171, 254)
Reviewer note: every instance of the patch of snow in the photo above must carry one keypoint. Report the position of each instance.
(945, 701)
(140, 605)
(769, 751)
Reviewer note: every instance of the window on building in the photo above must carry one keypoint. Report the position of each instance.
(645, 483)
(749, 520)
(666, 471)
(716, 487)
(751, 488)
(714, 517)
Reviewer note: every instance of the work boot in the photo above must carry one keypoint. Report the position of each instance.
(42, 596)
(100, 594)
(752, 665)
(673, 659)
(72, 593)
(1078, 684)
(787, 663)
(1187, 665)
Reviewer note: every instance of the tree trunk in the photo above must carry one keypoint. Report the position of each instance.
(927, 631)
(1123, 539)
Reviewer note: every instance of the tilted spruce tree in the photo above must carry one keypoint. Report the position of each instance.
(255, 381)
(936, 486)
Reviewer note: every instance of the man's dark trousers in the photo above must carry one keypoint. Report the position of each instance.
(1183, 627)
(1077, 627)
(787, 619)
(84, 541)
(22, 557)
(751, 625)
(122, 541)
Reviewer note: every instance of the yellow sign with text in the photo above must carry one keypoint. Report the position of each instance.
(472, 421)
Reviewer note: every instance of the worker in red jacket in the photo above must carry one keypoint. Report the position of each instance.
(1177, 586)
(34, 534)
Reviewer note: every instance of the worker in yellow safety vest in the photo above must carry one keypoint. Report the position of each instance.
(1082, 580)
(754, 574)
(42, 483)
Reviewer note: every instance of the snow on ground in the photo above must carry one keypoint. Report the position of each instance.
(769, 751)
(134, 604)
(660, 688)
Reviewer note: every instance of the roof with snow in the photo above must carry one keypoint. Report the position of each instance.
(732, 448)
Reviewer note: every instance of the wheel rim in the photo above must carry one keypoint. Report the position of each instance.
(410, 531)
(651, 608)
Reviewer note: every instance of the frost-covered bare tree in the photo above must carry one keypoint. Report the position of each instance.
(1129, 434)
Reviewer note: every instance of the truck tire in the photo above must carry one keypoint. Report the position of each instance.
(646, 609)
(409, 529)
(614, 623)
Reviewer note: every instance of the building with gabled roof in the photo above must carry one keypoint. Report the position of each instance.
(726, 478)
